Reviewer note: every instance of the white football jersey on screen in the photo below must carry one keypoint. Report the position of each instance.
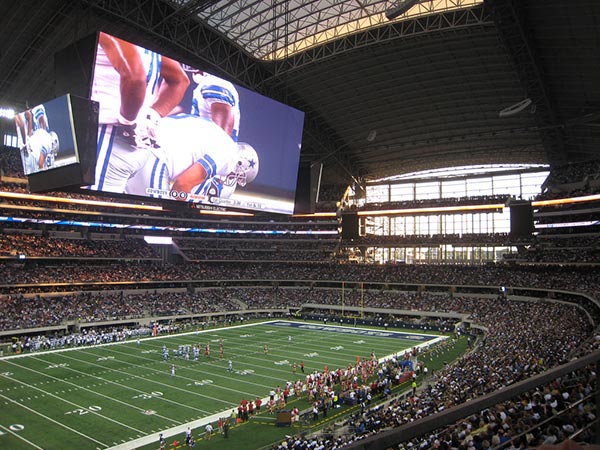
(186, 140)
(38, 114)
(212, 89)
(40, 143)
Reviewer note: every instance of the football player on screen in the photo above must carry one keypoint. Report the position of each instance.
(40, 151)
(31, 120)
(135, 88)
(244, 171)
(217, 100)
(38, 118)
(22, 132)
(198, 159)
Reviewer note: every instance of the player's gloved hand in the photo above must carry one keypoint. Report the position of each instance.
(126, 133)
(26, 148)
(148, 121)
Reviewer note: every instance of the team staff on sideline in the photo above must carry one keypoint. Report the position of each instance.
(208, 432)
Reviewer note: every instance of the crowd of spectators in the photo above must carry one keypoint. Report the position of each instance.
(38, 245)
(18, 312)
(30, 275)
(548, 415)
(572, 180)
(559, 248)
(574, 172)
(23, 312)
(527, 329)
(285, 248)
(10, 163)
(500, 239)
(539, 335)
(584, 255)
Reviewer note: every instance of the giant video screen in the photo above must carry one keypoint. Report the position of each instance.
(46, 136)
(170, 131)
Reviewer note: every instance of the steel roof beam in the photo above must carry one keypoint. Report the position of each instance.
(475, 16)
(511, 24)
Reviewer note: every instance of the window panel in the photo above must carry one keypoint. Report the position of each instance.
(507, 185)
(479, 186)
(454, 188)
(531, 183)
(427, 190)
(402, 192)
(377, 194)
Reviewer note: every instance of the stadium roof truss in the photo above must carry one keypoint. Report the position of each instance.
(381, 98)
(276, 29)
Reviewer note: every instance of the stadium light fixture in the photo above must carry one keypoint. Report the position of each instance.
(515, 109)
(7, 113)
(400, 8)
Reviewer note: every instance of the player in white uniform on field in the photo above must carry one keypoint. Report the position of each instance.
(193, 151)
(135, 88)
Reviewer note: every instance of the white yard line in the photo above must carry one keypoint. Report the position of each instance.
(200, 423)
(29, 386)
(77, 386)
(8, 430)
(53, 421)
(148, 380)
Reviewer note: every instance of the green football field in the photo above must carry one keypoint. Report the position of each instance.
(121, 396)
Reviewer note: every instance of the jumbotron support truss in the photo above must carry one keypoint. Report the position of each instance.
(509, 19)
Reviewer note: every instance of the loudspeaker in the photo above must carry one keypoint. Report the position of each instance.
(307, 188)
(73, 67)
(349, 225)
(521, 219)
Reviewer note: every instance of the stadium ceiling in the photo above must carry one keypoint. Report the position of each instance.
(449, 83)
